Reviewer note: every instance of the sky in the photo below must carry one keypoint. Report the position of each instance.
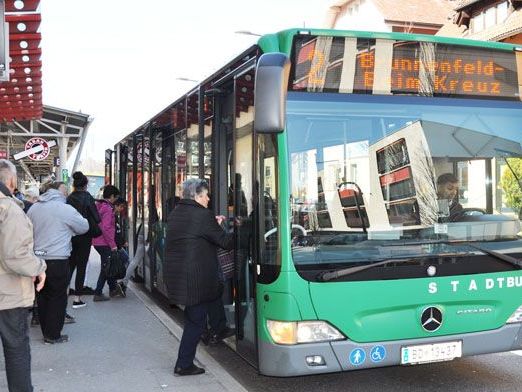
(119, 60)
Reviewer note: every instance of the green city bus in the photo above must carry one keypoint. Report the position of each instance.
(373, 181)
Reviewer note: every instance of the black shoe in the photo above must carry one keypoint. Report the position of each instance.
(192, 370)
(100, 298)
(218, 337)
(86, 290)
(69, 319)
(35, 321)
(61, 339)
(117, 292)
(78, 304)
(72, 292)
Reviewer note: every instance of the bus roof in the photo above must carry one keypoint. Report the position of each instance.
(282, 42)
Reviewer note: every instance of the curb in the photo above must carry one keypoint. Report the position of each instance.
(202, 356)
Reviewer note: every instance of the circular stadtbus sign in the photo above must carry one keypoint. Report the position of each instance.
(36, 142)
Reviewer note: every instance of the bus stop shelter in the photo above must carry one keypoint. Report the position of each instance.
(39, 139)
(42, 147)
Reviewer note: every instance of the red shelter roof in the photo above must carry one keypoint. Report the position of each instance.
(21, 97)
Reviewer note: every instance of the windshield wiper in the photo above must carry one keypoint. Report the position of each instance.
(508, 259)
(335, 274)
(501, 256)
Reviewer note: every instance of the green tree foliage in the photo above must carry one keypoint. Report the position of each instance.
(510, 184)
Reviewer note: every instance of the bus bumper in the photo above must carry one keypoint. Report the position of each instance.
(285, 361)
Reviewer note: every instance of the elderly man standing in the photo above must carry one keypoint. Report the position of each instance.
(55, 223)
(191, 266)
(19, 268)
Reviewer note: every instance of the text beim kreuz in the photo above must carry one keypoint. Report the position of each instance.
(472, 285)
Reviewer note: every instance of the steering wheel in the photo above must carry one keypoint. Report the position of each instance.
(467, 212)
(294, 226)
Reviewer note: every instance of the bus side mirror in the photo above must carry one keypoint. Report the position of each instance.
(272, 72)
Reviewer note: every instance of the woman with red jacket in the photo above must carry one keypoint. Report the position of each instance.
(106, 243)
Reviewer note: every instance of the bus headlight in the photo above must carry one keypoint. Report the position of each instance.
(516, 317)
(295, 332)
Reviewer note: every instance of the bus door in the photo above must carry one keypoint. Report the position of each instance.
(244, 195)
(220, 186)
(155, 206)
(231, 195)
(142, 183)
(244, 277)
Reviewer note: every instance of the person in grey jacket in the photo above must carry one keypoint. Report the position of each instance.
(55, 223)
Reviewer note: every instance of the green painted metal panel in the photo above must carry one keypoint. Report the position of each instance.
(279, 306)
(269, 43)
(289, 301)
(285, 39)
(391, 310)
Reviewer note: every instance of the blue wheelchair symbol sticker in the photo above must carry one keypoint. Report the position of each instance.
(377, 353)
(357, 356)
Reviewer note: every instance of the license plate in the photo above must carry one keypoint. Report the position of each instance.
(431, 353)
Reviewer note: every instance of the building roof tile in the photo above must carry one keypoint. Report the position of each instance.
(511, 26)
(416, 11)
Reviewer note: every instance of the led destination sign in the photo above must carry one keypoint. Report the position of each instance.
(414, 68)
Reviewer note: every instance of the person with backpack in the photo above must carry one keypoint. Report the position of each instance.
(84, 203)
(105, 244)
(120, 209)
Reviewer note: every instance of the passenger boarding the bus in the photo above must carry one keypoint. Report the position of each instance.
(448, 196)
(139, 254)
(191, 269)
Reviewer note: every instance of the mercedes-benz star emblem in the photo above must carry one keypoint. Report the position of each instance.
(431, 319)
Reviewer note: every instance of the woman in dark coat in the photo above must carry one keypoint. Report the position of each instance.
(191, 266)
(83, 202)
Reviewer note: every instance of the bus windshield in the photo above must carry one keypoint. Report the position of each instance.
(376, 177)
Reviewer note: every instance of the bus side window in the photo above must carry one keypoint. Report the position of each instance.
(269, 263)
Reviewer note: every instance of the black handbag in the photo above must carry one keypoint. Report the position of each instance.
(94, 228)
(114, 268)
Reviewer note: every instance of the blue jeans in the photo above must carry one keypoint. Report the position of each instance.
(124, 256)
(17, 353)
(195, 324)
(105, 254)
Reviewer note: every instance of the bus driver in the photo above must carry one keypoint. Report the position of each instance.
(448, 196)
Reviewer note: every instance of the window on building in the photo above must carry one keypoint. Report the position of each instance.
(502, 11)
(490, 17)
(353, 172)
(477, 23)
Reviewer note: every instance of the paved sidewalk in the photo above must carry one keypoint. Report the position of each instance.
(126, 344)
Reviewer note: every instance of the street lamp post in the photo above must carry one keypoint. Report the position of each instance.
(246, 32)
(187, 80)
